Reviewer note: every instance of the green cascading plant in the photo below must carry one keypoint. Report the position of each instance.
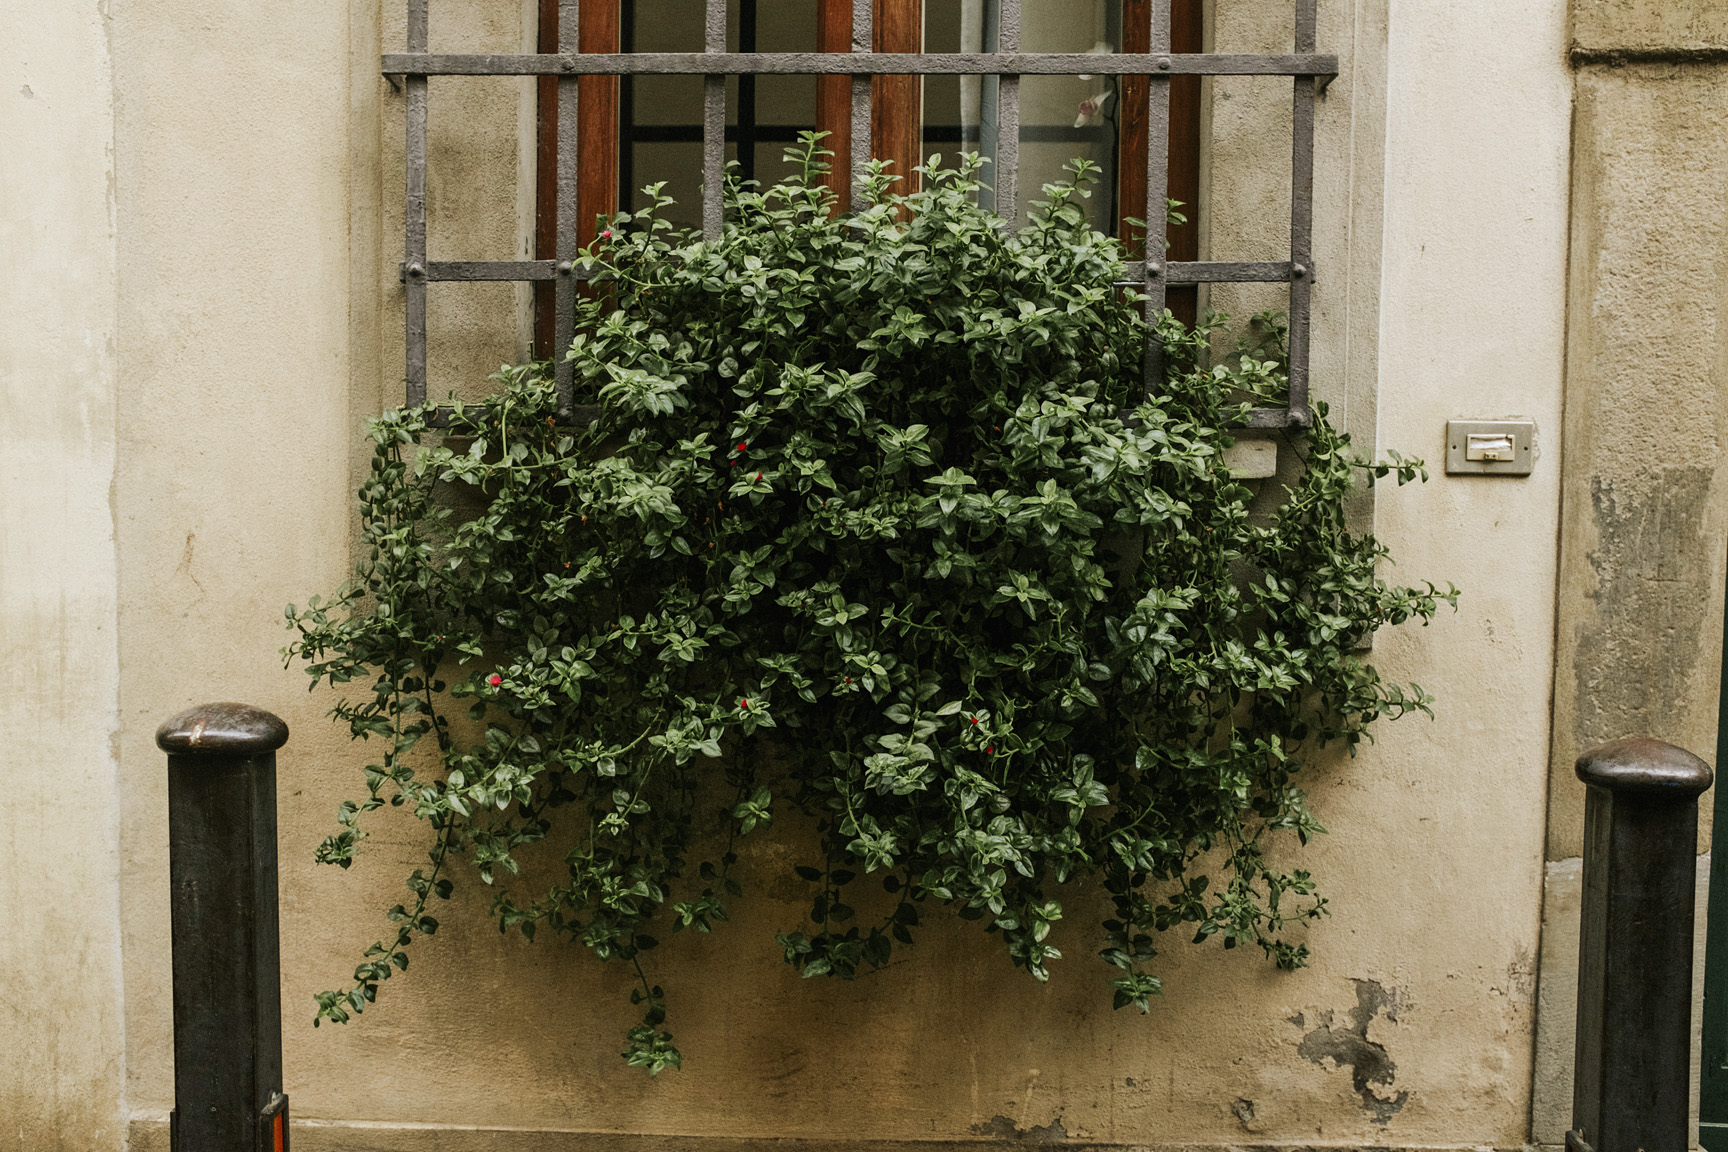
(875, 521)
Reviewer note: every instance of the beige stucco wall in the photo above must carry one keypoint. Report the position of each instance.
(61, 1042)
(255, 164)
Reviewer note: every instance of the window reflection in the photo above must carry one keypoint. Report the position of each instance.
(1061, 117)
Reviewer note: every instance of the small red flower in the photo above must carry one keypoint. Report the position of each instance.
(731, 463)
(742, 445)
(974, 719)
(758, 475)
(494, 679)
(744, 704)
(992, 748)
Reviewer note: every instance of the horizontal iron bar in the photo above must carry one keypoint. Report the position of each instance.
(1216, 272)
(857, 64)
(933, 133)
(1278, 418)
(490, 270)
(447, 270)
(444, 417)
(1175, 272)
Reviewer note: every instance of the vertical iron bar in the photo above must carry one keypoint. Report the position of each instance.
(1633, 1058)
(223, 914)
(1305, 25)
(1306, 93)
(1157, 192)
(746, 93)
(713, 126)
(569, 212)
(1008, 118)
(989, 106)
(414, 210)
(863, 40)
(627, 110)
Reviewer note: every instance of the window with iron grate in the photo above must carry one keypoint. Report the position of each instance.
(648, 128)
(632, 92)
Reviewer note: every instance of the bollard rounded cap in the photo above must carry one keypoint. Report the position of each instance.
(1639, 765)
(225, 729)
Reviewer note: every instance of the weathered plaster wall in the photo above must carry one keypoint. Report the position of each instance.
(1638, 26)
(1644, 518)
(61, 1040)
(1645, 522)
(257, 175)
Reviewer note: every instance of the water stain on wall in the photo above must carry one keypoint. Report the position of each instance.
(1348, 1046)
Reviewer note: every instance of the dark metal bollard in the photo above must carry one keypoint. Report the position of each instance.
(222, 871)
(1633, 1070)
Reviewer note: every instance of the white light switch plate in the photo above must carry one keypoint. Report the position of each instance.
(1462, 435)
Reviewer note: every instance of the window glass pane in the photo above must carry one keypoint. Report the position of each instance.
(951, 102)
(1063, 118)
(765, 114)
(660, 117)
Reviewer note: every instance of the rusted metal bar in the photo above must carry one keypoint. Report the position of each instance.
(1157, 189)
(223, 923)
(1270, 418)
(1632, 1076)
(863, 41)
(569, 209)
(1007, 175)
(713, 124)
(469, 270)
(1306, 93)
(1212, 272)
(860, 62)
(414, 208)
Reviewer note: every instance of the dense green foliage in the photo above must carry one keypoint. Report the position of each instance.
(875, 522)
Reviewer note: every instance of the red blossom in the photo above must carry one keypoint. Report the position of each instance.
(745, 704)
(742, 445)
(992, 748)
(494, 679)
(758, 475)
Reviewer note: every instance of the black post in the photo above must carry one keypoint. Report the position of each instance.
(222, 872)
(1633, 1071)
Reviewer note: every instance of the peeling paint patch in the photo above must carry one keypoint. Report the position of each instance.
(1369, 1063)
(1003, 1128)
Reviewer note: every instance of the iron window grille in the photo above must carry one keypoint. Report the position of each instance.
(1309, 70)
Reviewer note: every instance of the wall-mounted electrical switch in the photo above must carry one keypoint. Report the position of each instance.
(1490, 447)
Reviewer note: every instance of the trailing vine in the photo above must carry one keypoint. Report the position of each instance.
(874, 521)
